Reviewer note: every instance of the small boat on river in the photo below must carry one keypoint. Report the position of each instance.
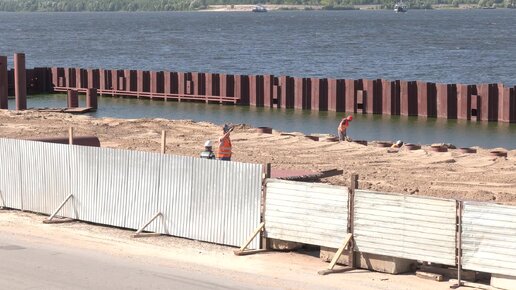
(400, 7)
(259, 8)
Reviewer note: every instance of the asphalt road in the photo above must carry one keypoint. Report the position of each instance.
(27, 265)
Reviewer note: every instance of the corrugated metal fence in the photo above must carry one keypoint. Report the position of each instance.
(306, 212)
(489, 238)
(206, 200)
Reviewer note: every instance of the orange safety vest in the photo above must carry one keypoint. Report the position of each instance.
(224, 148)
(344, 126)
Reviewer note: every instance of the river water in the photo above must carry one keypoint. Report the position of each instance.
(456, 46)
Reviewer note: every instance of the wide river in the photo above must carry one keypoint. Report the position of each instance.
(455, 46)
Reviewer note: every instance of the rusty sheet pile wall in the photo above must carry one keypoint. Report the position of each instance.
(489, 238)
(419, 228)
(206, 200)
(477, 102)
(306, 212)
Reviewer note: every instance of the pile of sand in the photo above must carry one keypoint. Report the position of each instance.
(451, 174)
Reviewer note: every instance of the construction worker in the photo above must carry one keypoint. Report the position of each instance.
(224, 152)
(343, 126)
(208, 152)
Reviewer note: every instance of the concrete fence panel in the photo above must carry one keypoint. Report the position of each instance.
(418, 228)
(308, 213)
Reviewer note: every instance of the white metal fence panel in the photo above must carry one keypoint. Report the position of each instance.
(207, 200)
(45, 176)
(310, 213)
(489, 238)
(10, 174)
(84, 179)
(210, 200)
(410, 227)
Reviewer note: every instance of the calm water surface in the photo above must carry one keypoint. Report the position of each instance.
(456, 46)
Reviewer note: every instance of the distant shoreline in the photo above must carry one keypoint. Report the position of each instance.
(282, 7)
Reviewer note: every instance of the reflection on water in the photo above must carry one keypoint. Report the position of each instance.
(365, 127)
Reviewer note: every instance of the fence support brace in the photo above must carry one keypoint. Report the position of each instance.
(2, 200)
(242, 251)
(49, 220)
(140, 230)
(337, 255)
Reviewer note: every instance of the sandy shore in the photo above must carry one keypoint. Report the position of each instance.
(451, 174)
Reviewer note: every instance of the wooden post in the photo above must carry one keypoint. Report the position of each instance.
(264, 244)
(163, 141)
(70, 136)
(351, 216)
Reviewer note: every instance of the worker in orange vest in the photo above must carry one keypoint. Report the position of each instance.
(224, 152)
(343, 126)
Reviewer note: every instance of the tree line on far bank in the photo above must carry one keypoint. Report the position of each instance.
(184, 5)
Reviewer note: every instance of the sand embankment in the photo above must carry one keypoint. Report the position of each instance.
(451, 174)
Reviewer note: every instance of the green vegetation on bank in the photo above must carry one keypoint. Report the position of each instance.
(175, 5)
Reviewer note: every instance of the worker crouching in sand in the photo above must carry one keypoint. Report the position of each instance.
(208, 151)
(342, 128)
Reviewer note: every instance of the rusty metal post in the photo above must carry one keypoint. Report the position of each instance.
(332, 95)
(3, 83)
(351, 96)
(447, 101)
(368, 92)
(260, 91)
(282, 96)
(91, 98)
(181, 83)
(506, 109)
(464, 93)
(298, 93)
(209, 84)
(252, 90)
(20, 87)
(78, 77)
(223, 85)
(268, 85)
(387, 94)
(72, 98)
(93, 78)
(55, 76)
(408, 98)
(316, 93)
(102, 79)
(489, 96)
